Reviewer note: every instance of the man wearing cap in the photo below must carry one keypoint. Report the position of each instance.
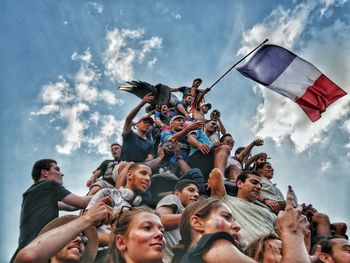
(178, 134)
(136, 147)
(68, 238)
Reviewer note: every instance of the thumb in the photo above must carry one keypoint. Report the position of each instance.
(107, 200)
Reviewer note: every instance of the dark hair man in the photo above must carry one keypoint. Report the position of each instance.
(41, 201)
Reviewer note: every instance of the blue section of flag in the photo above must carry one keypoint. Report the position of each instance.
(267, 64)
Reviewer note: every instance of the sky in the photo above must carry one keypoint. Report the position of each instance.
(62, 61)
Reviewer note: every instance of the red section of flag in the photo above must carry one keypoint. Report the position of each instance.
(319, 96)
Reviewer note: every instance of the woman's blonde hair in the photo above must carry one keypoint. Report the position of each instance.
(256, 250)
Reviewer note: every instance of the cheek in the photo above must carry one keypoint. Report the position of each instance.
(221, 224)
(140, 238)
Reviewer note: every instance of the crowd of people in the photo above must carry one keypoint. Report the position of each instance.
(173, 192)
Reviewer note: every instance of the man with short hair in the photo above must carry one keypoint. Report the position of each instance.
(193, 90)
(203, 154)
(334, 249)
(136, 147)
(270, 195)
(43, 199)
(69, 238)
(183, 106)
(170, 209)
(106, 171)
(255, 220)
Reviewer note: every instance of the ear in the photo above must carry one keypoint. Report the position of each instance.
(197, 223)
(130, 177)
(43, 173)
(326, 258)
(177, 193)
(239, 184)
(120, 243)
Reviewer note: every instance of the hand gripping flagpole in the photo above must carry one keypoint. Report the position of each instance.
(237, 64)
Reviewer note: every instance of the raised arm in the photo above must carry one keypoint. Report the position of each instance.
(128, 121)
(50, 243)
(292, 227)
(183, 133)
(248, 148)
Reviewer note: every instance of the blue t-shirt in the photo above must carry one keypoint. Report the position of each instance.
(162, 118)
(202, 138)
(135, 149)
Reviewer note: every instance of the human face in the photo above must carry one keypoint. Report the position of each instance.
(115, 150)
(178, 124)
(145, 240)
(211, 127)
(204, 109)
(188, 195)
(250, 189)
(267, 171)
(54, 174)
(164, 109)
(221, 219)
(340, 251)
(188, 100)
(73, 251)
(215, 115)
(196, 83)
(141, 179)
(272, 251)
(229, 141)
(144, 126)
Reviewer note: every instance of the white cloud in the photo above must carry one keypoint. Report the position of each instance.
(110, 131)
(97, 7)
(279, 118)
(152, 62)
(73, 105)
(120, 56)
(176, 16)
(325, 166)
(73, 134)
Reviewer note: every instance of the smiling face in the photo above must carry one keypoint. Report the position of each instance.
(188, 195)
(139, 179)
(144, 241)
(178, 124)
(53, 174)
(71, 252)
(266, 171)
(249, 190)
(221, 219)
(340, 251)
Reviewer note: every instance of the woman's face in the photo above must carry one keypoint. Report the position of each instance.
(145, 241)
(221, 219)
(273, 251)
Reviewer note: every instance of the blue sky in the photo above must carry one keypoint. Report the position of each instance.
(62, 61)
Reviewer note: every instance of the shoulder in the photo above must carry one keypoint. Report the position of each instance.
(170, 200)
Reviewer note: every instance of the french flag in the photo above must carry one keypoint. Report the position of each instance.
(291, 76)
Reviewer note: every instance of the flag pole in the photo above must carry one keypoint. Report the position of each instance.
(237, 64)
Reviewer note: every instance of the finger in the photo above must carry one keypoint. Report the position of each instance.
(107, 200)
(289, 201)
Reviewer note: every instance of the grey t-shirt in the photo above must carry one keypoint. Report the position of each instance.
(172, 237)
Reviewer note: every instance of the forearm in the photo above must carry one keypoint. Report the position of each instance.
(170, 221)
(222, 127)
(154, 163)
(65, 207)
(294, 249)
(130, 117)
(50, 243)
(245, 152)
(184, 168)
(180, 135)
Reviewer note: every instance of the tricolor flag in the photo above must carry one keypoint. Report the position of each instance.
(284, 72)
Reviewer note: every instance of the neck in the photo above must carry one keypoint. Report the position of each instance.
(243, 197)
(141, 134)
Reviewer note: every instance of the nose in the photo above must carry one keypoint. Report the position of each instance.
(158, 234)
(62, 174)
(235, 226)
(196, 194)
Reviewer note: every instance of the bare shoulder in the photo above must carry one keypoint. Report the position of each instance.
(223, 251)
